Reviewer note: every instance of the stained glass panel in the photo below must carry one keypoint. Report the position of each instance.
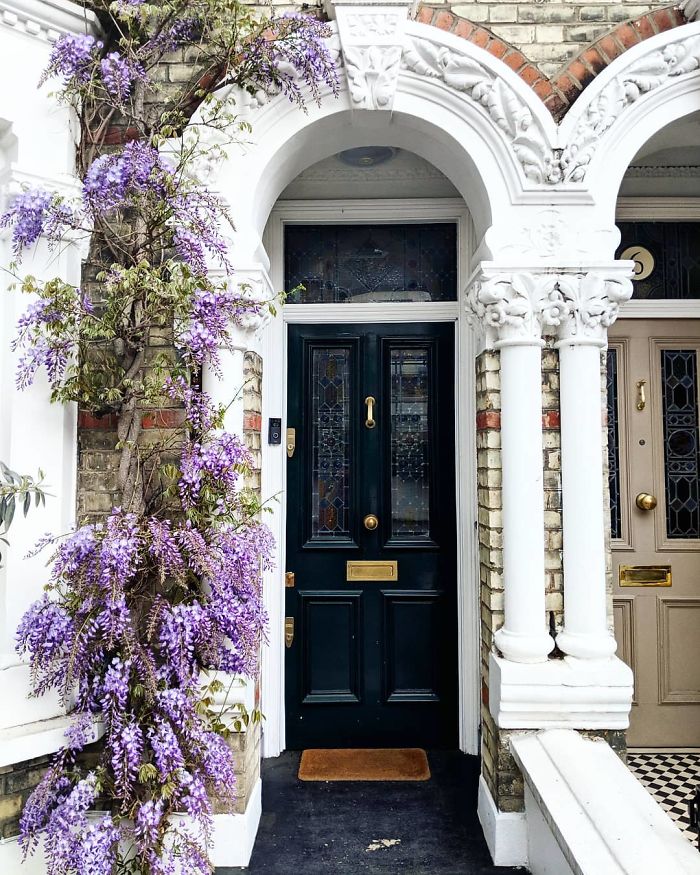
(680, 413)
(330, 442)
(675, 247)
(614, 447)
(371, 263)
(410, 462)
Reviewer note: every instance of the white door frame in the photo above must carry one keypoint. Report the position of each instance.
(274, 458)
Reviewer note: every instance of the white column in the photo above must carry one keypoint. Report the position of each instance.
(508, 305)
(523, 636)
(593, 303)
(226, 386)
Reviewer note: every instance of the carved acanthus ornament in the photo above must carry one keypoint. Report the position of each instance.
(516, 307)
(648, 73)
(590, 303)
(691, 9)
(505, 108)
(509, 306)
(372, 42)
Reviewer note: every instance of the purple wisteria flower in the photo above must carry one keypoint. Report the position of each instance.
(139, 605)
(300, 56)
(115, 180)
(197, 216)
(37, 213)
(73, 57)
(148, 820)
(119, 75)
(47, 337)
(220, 460)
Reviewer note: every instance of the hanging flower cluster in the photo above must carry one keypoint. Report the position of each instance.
(166, 589)
(125, 631)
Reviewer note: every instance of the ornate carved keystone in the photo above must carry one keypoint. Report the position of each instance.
(372, 38)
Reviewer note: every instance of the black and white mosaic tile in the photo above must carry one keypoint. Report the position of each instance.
(671, 777)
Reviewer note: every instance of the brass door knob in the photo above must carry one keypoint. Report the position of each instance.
(371, 522)
(645, 501)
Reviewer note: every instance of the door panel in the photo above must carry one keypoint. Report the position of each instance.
(373, 660)
(653, 392)
(330, 632)
(412, 635)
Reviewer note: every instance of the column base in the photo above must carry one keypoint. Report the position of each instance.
(523, 648)
(234, 834)
(585, 646)
(505, 831)
(560, 693)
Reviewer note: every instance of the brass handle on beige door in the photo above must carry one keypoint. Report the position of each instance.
(371, 522)
(641, 395)
(645, 501)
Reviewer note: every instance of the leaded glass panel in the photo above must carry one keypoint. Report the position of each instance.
(680, 417)
(330, 442)
(371, 263)
(614, 447)
(675, 247)
(410, 459)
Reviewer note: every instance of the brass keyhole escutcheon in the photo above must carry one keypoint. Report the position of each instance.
(371, 522)
(645, 501)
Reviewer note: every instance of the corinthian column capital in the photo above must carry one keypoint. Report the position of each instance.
(588, 304)
(510, 306)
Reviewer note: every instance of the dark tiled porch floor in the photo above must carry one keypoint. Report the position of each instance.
(329, 828)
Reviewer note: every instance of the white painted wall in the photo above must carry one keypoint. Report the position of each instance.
(36, 149)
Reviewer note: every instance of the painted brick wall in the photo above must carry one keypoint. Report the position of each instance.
(548, 32)
(252, 414)
(488, 460)
(16, 784)
(551, 450)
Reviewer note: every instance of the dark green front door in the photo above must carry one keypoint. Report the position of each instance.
(373, 661)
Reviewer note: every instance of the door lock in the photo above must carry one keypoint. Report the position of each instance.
(291, 442)
(288, 631)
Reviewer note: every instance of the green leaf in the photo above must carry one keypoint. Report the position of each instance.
(147, 772)
(9, 512)
(27, 502)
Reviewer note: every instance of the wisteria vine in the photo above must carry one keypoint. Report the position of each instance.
(149, 602)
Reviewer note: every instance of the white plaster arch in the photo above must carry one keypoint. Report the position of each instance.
(454, 104)
(645, 89)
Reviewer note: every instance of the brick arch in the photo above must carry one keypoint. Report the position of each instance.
(560, 92)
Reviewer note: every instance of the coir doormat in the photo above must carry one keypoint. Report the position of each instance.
(356, 764)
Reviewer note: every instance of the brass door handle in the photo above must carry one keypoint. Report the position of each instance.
(645, 501)
(370, 401)
(371, 522)
(641, 395)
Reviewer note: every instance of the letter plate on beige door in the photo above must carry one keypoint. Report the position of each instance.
(645, 575)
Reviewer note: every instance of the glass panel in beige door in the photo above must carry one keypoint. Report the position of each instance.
(653, 394)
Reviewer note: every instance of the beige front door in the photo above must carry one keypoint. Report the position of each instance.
(654, 442)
